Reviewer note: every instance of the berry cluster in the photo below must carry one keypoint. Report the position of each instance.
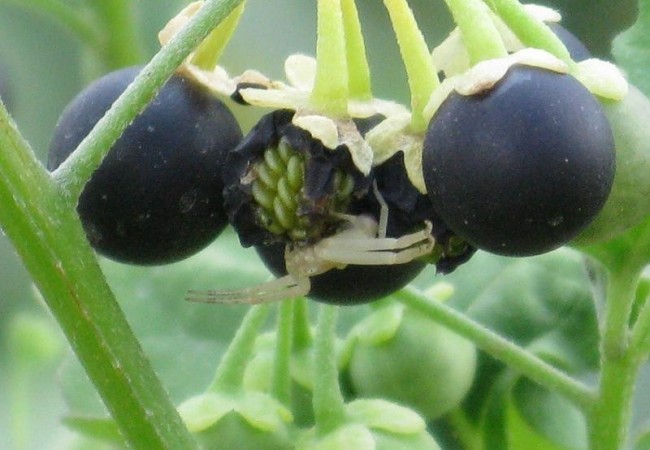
(346, 197)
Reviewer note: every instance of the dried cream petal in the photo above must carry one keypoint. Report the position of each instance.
(217, 80)
(300, 71)
(278, 98)
(451, 55)
(320, 127)
(177, 22)
(602, 78)
(393, 135)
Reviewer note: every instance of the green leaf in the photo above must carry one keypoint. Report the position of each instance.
(527, 299)
(549, 415)
(522, 437)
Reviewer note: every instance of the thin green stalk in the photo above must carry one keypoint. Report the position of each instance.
(230, 373)
(302, 333)
(500, 348)
(45, 230)
(530, 31)
(480, 36)
(610, 418)
(421, 72)
(77, 169)
(330, 93)
(359, 83)
(207, 55)
(281, 377)
(329, 407)
(120, 44)
(70, 18)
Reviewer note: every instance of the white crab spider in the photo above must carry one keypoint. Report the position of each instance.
(360, 241)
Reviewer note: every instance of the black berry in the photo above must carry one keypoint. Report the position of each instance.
(521, 168)
(157, 196)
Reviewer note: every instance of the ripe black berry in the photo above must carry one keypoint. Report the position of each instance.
(522, 168)
(157, 196)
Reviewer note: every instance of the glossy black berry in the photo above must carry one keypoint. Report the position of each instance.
(522, 168)
(157, 196)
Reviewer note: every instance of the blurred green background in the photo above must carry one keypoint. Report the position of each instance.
(48, 65)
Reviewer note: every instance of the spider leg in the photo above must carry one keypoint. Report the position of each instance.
(376, 251)
(271, 291)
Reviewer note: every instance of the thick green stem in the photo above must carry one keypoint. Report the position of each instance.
(421, 72)
(120, 44)
(530, 31)
(329, 407)
(480, 36)
(230, 373)
(330, 93)
(44, 228)
(610, 418)
(281, 377)
(514, 356)
(207, 55)
(358, 70)
(77, 169)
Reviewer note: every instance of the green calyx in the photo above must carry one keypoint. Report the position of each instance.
(282, 205)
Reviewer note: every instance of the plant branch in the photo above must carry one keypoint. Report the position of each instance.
(358, 69)
(75, 171)
(422, 75)
(329, 407)
(330, 93)
(230, 373)
(46, 232)
(281, 377)
(610, 419)
(514, 356)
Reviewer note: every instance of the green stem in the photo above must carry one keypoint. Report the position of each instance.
(230, 373)
(330, 93)
(207, 55)
(120, 45)
(610, 418)
(480, 36)
(530, 31)
(500, 348)
(45, 230)
(69, 17)
(302, 333)
(421, 72)
(329, 407)
(77, 169)
(281, 377)
(358, 70)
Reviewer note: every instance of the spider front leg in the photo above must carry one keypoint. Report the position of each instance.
(282, 288)
(359, 249)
